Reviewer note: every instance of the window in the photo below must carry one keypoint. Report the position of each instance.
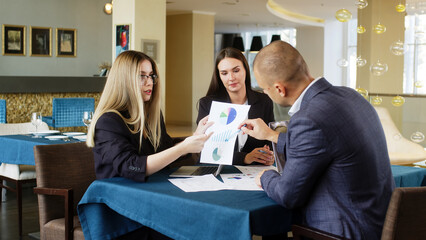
(415, 57)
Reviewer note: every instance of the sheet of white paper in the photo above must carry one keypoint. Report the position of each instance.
(252, 171)
(239, 181)
(219, 149)
(199, 184)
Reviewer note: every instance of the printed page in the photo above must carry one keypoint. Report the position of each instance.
(199, 184)
(219, 149)
(253, 171)
(239, 181)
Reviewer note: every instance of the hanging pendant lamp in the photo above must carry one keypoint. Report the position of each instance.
(256, 44)
(238, 43)
(275, 38)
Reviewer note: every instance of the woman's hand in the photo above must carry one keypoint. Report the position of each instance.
(260, 155)
(203, 125)
(195, 143)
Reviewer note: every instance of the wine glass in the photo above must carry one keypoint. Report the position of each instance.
(36, 120)
(87, 118)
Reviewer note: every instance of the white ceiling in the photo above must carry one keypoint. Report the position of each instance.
(252, 15)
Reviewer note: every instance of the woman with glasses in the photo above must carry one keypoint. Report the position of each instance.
(128, 134)
(231, 83)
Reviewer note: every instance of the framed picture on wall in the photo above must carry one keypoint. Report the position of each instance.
(66, 42)
(122, 38)
(40, 41)
(13, 40)
(151, 48)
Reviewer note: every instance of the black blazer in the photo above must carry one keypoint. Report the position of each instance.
(116, 150)
(261, 107)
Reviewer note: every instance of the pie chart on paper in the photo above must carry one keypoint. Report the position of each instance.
(227, 116)
(216, 154)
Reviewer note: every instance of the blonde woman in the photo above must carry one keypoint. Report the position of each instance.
(128, 134)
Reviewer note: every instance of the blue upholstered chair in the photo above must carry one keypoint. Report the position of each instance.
(68, 112)
(2, 111)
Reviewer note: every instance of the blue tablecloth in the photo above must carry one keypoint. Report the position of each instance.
(409, 176)
(112, 207)
(18, 149)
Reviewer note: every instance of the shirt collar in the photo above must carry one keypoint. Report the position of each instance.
(296, 106)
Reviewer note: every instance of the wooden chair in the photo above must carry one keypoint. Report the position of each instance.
(405, 218)
(64, 172)
(16, 174)
(406, 215)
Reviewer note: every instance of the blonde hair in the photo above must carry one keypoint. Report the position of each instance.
(122, 92)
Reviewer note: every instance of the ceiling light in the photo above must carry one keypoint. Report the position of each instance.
(108, 8)
(275, 38)
(256, 44)
(238, 43)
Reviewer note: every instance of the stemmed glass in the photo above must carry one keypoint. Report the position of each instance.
(87, 118)
(36, 120)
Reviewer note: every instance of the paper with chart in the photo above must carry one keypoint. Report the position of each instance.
(199, 184)
(239, 181)
(219, 149)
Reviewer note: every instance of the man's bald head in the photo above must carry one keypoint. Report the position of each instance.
(281, 62)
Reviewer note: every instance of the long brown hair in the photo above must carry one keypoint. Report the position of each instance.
(122, 92)
(216, 87)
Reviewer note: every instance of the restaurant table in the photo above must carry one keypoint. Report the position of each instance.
(113, 207)
(405, 176)
(18, 149)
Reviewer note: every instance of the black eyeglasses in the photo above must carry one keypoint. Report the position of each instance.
(145, 78)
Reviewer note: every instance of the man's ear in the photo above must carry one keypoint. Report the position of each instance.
(280, 89)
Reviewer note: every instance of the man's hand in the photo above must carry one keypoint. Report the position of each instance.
(258, 129)
(258, 182)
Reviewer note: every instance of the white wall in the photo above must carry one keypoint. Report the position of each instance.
(310, 42)
(93, 36)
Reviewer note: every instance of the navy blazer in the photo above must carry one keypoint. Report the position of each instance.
(337, 165)
(116, 149)
(261, 107)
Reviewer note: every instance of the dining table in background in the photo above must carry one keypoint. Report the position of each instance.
(18, 149)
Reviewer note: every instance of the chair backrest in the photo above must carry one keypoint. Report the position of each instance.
(62, 166)
(68, 112)
(406, 215)
(2, 111)
(20, 128)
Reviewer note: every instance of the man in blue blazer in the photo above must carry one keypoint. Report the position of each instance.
(337, 167)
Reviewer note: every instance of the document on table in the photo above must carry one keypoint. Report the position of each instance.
(199, 183)
(246, 179)
(240, 181)
(252, 171)
(219, 148)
